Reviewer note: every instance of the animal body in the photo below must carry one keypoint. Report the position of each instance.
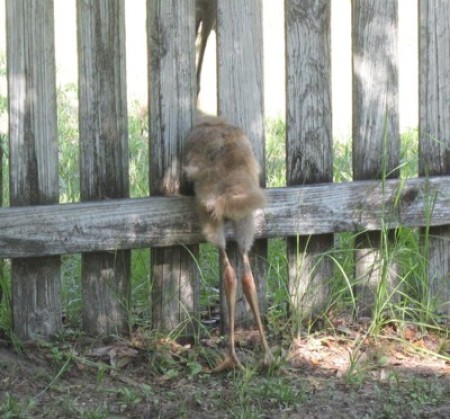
(225, 175)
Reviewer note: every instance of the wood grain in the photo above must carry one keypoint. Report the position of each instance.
(103, 154)
(434, 130)
(241, 101)
(308, 142)
(35, 284)
(172, 93)
(164, 221)
(376, 137)
(375, 89)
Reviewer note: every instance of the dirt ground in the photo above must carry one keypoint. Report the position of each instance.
(338, 374)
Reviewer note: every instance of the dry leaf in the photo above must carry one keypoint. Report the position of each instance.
(410, 333)
(117, 356)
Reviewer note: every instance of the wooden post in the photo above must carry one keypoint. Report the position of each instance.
(376, 144)
(172, 95)
(1, 170)
(35, 282)
(103, 154)
(434, 129)
(309, 144)
(1, 205)
(241, 102)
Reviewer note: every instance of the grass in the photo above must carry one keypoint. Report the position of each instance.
(173, 384)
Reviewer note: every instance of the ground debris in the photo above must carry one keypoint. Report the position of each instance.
(344, 370)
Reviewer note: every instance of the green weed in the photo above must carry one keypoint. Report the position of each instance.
(68, 143)
(275, 153)
(15, 408)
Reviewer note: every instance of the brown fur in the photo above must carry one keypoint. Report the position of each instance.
(223, 169)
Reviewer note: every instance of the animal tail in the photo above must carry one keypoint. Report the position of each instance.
(236, 205)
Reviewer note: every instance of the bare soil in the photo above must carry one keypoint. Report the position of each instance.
(338, 374)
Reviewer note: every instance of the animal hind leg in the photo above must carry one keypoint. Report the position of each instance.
(213, 230)
(231, 361)
(249, 289)
(244, 230)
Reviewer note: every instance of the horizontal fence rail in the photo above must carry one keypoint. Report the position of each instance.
(164, 221)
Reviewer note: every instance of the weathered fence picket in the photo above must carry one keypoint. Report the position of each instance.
(240, 86)
(2, 262)
(434, 130)
(103, 154)
(172, 93)
(107, 224)
(376, 137)
(35, 283)
(309, 142)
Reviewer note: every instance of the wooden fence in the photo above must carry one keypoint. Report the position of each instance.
(35, 231)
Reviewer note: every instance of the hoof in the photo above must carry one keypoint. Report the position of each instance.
(268, 360)
(229, 363)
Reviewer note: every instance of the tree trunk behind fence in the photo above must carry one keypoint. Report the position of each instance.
(104, 154)
(172, 93)
(309, 144)
(35, 282)
(434, 128)
(375, 130)
(241, 102)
